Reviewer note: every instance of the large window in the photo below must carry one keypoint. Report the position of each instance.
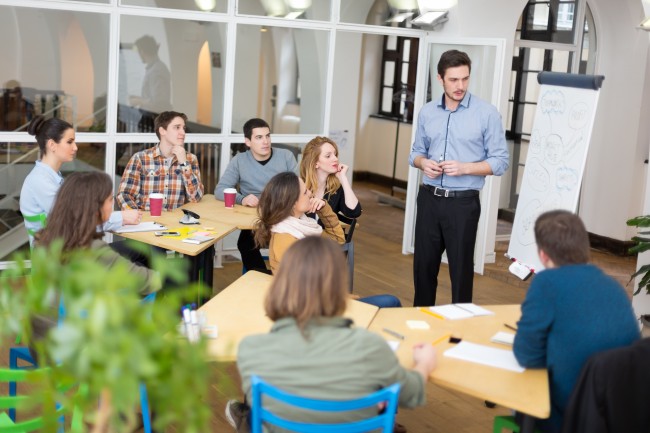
(398, 75)
(110, 66)
(552, 35)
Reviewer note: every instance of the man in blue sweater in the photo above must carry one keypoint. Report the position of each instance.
(572, 310)
(251, 171)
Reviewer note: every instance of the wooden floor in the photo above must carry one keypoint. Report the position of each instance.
(380, 267)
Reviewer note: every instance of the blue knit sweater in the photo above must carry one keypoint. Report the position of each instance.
(570, 313)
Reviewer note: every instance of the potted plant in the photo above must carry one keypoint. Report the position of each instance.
(109, 340)
(642, 244)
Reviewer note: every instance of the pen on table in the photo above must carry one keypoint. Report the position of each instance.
(393, 333)
(510, 327)
(444, 337)
(437, 316)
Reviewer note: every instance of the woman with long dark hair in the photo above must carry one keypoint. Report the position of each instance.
(84, 202)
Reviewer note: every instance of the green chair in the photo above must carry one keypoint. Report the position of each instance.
(30, 401)
(506, 422)
(40, 219)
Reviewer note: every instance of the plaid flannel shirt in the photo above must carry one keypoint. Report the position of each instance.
(146, 173)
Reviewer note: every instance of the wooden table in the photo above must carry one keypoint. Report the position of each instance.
(526, 392)
(215, 217)
(238, 311)
(240, 217)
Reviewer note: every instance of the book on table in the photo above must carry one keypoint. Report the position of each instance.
(198, 239)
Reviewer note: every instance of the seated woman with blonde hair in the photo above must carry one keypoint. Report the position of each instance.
(282, 221)
(326, 177)
(313, 351)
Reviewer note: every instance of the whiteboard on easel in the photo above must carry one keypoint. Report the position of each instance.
(556, 157)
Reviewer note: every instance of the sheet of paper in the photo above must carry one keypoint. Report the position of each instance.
(451, 312)
(475, 309)
(394, 345)
(503, 338)
(499, 358)
(148, 226)
(417, 324)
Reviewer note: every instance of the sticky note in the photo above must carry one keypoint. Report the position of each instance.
(417, 324)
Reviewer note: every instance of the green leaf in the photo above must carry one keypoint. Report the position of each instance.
(639, 221)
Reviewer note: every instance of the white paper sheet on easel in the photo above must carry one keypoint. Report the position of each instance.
(148, 226)
(485, 355)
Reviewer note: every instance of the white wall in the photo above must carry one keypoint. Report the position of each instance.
(345, 98)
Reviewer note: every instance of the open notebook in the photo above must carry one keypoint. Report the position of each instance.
(148, 226)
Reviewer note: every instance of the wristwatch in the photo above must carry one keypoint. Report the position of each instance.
(184, 164)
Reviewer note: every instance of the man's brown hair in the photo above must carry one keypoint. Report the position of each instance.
(563, 237)
(165, 118)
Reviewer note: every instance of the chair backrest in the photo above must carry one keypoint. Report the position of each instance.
(23, 401)
(34, 223)
(384, 421)
(349, 232)
(612, 391)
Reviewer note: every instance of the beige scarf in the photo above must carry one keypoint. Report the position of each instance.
(298, 227)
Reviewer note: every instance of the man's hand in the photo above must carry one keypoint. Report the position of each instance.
(453, 168)
(131, 216)
(250, 200)
(430, 168)
(180, 153)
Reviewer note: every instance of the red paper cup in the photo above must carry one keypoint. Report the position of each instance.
(155, 204)
(229, 195)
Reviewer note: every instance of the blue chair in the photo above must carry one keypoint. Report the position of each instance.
(384, 421)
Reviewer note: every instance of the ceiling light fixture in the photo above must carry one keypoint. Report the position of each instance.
(206, 5)
(431, 18)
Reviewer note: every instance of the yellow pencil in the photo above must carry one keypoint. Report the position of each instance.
(441, 339)
(437, 316)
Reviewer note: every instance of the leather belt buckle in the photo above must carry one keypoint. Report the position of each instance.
(436, 189)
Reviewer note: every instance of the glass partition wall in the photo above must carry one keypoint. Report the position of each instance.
(110, 66)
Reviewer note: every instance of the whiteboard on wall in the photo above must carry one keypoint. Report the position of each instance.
(556, 158)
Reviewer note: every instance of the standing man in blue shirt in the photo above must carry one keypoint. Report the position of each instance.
(459, 140)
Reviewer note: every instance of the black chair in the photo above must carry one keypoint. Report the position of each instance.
(611, 394)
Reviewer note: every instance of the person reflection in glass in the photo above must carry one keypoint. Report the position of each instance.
(156, 85)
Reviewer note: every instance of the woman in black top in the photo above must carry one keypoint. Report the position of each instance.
(326, 177)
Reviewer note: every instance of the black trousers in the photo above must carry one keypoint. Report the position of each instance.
(444, 224)
(250, 255)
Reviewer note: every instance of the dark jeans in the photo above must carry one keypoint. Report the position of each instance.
(382, 301)
(444, 224)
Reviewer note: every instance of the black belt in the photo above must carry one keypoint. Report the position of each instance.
(446, 193)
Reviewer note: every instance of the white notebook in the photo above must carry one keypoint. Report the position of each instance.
(460, 311)
(503, 338)
(198, 239)
(149, 226)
